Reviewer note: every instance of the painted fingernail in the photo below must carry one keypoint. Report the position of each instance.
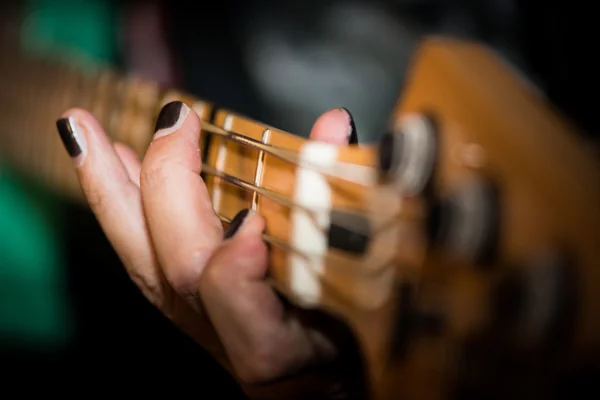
(72, 137)
(170, 118)
(352, 135)
(236, 223)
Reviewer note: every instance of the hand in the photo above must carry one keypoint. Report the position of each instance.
(159, 218)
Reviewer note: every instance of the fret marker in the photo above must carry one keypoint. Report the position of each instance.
(309, 230)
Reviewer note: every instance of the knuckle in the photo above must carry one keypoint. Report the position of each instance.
(219, 270)
(151, 290)
(97, 199)
(155, 171)
(179, 280)
(184, 269)
(213, 275)
(152, 285)
(102, 200)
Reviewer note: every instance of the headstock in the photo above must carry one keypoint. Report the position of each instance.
(505, 301)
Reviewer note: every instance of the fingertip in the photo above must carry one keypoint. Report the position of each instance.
(80, 131)
(247, 243)
(243, 253)
(176, 137)
(255, 225)
(176, 116)
(89, 122)
(334, 126)
(76, 112)
(247, 223)
(100, 169)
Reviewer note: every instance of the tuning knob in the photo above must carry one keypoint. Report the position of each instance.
(407, 155)
(466, 222)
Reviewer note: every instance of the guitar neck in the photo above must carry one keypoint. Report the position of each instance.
(39, 90)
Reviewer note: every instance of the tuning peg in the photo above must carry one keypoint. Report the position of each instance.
(466, 221)
(407, 155)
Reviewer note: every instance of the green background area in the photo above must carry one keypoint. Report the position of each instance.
(34, 308)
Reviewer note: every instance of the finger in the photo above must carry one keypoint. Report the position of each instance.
(245, 311)
(182, 223)
(335, 127)
(113, 197)
(130, 161)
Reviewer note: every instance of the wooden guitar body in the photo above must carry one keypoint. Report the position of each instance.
(512, 267)
(462, 250)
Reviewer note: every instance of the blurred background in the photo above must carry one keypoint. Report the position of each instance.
(68, 312)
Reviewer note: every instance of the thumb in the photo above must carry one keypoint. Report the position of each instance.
(235, 274)
(243, 251)
(245, 311)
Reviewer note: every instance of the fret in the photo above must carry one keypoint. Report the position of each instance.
(233, 159)
(260, 168)
(217, 155)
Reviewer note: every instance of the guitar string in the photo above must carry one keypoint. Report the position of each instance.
(349, 224)
(331, 258)
(327, 283)
(343, 170)
(291, 157)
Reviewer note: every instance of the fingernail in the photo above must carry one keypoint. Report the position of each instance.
(72, 137)
(352, 135)
(236, 223)
(170, 118)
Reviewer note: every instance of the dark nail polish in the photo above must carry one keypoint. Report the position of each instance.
(68, 137)
(168, 115)
(353, 139)
(236, 222)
